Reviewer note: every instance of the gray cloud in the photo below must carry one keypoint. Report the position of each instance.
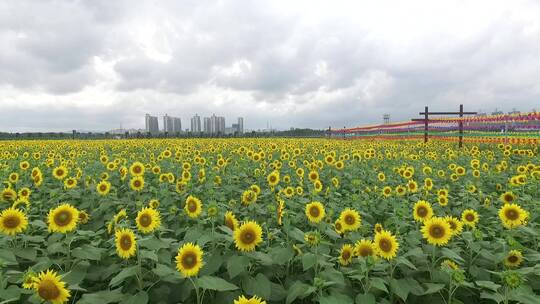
(95, 64)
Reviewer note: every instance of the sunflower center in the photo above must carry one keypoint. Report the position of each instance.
(192, 206)
(145, 220)
(314, 211)
(508, 198)
(512, 214)
(137, 183)
(103, 187)
(63, 218)
(385, 245)
(229, 223)
(365, 251)
(48, 290)
(272, 179)
(512, 259)
(338, 226)
(436, 231)
(346, 254)
(137, 169)
(349, 219)
(60, 172)
(422, 211)
(11, 222)
(189, 260)
(470, 217)
(125, 242)
(248, 237)
(453, 225)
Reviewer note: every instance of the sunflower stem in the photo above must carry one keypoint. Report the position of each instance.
(199, 298)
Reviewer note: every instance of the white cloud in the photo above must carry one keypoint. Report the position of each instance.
(96, 64)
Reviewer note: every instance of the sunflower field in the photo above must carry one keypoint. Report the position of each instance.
(268, 221)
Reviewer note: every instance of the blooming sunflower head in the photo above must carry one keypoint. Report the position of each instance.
(230, 220)
(148, 220)
(193, 206)
(422, 211)
(346, 254)
(103, 187)
(386, 245)
(315, 212)
(437, 231)
(248, 197)
(126, 244)
(469, 217)
(514, 258)
(364, 248)
(247, 236)
(136, 183)
(512, 215)
(13, 221)
(252, 300)
(189, 259)
(350, 219)
(63, 218)
(50, 287)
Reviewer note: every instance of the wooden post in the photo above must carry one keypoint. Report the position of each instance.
(426, 124)
(461, 126)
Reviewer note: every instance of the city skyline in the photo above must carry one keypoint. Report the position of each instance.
(213, 125)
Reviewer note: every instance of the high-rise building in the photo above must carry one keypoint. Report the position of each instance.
(240, 125)
(220, 125)
(206, 125)
(177, 125)
(196, 124)
(168, 124)
(151, 124)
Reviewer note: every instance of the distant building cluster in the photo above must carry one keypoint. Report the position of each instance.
(213, 125)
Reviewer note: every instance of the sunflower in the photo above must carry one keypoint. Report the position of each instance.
(387, 191)
(513, 258)
(338, 227)
(70, 183)
(449, 264)
(378, 228)
(13, 221)
(317, 185)
(248, 236)
(443, 200)
(252, 300)
(273, 178)
(312, 238)
(508, 197)
(28, 279)
(315, 212)
(148, 220)
(364, 248)
(49, 287)
(456, 226)
(8, 195)
(63, 218)
(469, 217)
(84, 217)
(249, 197)
(412, 186)
(189, 259)
(256, 189)
(400, 190)
(137, 169)
(103, 187)
(119, 216)
(346, 254)
(280, 208)
(136, 183)
(153, 203)
(350, 219)
(193, 206)
(230, 220)
(126, 243)
(442, 192)
(512, 215)
(25, 193)
(437, 231)
(422, 211)
(60, 172)
(386, 245)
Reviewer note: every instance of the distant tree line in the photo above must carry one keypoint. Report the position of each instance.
(141, 135)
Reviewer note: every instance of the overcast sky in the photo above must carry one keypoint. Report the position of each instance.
(92, 65)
